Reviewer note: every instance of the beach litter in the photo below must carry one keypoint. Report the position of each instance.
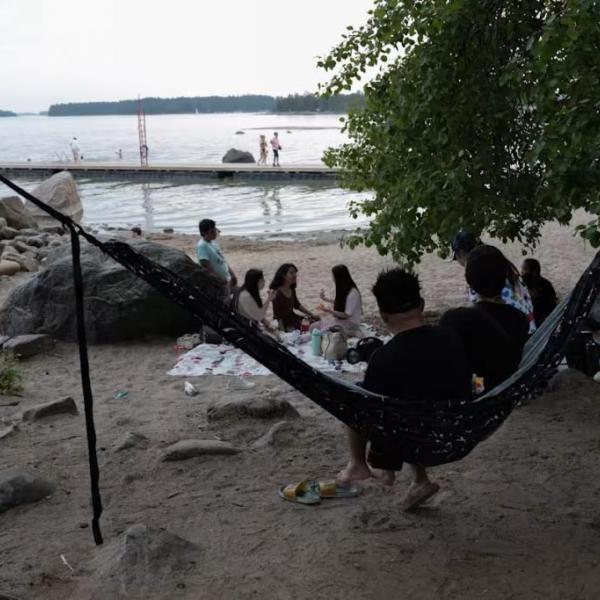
(121, 395)
(189, 389)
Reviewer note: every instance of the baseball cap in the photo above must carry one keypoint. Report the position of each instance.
(464, 241)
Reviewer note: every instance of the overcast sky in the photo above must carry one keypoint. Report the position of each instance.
(55, 51)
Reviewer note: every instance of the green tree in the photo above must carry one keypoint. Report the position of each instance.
(482, 114)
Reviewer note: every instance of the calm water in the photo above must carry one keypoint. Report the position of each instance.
(240, 208)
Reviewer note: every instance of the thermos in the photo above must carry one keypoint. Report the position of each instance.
(315, 342)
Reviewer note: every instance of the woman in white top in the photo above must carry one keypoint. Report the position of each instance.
(249, 302)
(347, 305)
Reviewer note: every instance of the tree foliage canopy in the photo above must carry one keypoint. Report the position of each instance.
(483, 115)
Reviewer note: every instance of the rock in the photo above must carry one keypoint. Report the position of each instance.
(189, 448)
(267, 406)
(268, 438)
(118, 305)
(34, 241)
(59, 192)
(8, 267)
(28, 345)
(238, 156)
(25, 261)
(28, 232)
(3, 223)
(7, 431)
(8, 233)
(53, 229)
(21, 247)
(65, 406)
(141, 560)
(55, 243)
(130, 440)
(240, 132)
(13, 210)
(18, 487)
(168, 230)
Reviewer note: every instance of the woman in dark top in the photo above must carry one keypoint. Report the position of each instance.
(286, 302)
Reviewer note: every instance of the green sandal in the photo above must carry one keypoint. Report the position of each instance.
(303, 492)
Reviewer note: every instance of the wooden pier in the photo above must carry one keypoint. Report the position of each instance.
(120, 171)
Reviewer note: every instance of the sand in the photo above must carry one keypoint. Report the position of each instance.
(517, 518)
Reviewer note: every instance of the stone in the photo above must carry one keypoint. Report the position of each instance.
(21, 247)
(118, 305)
(141, 560)
(3, 222)
(13, 210)
(168, 230)
(19, 487)
(189, 448)
(8, 233)
(266, 406)
(8, 431)
(268, 439)
(53, 229)
(25, 346)
(34, 241)
(65, 406)
(25, 261)
(28, 232)
(130, 440)
(59, 192)
(9, 267)
(234, 155)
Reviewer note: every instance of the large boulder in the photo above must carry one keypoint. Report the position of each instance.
(238, 156)
(59, 192)
(118, 305)
(13, 211)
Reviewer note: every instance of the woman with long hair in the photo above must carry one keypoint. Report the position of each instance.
(285, 302)
(249, 302)
(346, 309)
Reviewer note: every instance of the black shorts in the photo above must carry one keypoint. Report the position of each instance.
(275, 153)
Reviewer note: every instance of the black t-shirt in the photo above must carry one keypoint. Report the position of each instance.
(543, 297)
(425, 363)
(493, 335)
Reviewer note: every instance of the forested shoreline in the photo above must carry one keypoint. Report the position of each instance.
(212, 104)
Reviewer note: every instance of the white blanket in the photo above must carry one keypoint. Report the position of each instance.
(223, 359)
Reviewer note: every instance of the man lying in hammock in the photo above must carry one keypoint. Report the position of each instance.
(420, 362)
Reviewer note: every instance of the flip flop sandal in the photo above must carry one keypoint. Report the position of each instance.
(332, 489)
(303, 493)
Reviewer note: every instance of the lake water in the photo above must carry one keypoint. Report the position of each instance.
(240, 208)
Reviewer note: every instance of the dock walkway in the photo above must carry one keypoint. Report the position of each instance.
(170, 171)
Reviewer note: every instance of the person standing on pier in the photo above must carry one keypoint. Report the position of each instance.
(75, 150)
(276, 146)
(262, 144)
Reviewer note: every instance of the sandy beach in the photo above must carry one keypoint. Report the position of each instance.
(516, 519)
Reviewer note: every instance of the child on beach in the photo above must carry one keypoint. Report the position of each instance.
(542, 291)
(262, 160)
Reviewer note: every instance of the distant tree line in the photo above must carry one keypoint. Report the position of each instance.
(210, 104)
(340, 103)
(7, 113)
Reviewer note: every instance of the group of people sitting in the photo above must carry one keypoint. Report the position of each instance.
(470, 351)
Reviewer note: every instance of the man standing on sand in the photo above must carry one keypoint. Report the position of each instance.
(276, 147)
(211, 258)
(420, 363)
(75, 150)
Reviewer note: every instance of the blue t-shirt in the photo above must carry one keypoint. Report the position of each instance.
(211, 252)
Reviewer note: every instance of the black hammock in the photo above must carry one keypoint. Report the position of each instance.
(439, 433)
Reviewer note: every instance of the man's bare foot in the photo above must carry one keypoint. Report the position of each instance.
(417, 494)
(353, 472)
(383, 476)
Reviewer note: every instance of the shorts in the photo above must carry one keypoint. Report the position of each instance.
(275, 153)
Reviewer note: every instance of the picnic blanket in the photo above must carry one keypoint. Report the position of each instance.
(224, 359)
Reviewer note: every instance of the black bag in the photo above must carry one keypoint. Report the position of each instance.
(363, 350)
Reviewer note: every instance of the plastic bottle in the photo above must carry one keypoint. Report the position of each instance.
(315, 342)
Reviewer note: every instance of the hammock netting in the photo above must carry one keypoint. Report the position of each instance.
(433, 434)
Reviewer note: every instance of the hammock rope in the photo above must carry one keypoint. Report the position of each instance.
(439, 433)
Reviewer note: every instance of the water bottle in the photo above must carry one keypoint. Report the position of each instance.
(315, 342)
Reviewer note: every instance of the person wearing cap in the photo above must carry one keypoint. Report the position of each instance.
(421, 362)
(514, 293)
